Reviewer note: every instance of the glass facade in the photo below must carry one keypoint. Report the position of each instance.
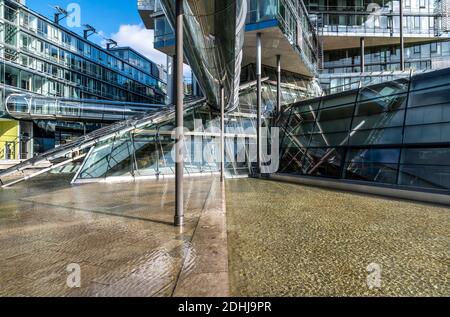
(425, 29)
(148, 151)
(293, 19)
(44, 58)
(392, 133)
(290, 15)
(379, 17)
(418, 56)
(294, 87)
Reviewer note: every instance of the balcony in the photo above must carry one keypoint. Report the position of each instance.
(147, 10)
(286, 29)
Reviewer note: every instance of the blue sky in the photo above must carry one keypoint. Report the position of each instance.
(116, 19)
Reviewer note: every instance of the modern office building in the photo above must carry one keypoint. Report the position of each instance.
(278, 24)
(344, 44)
(389, 133)
(392, 134)
(40, 57)
(361, 39)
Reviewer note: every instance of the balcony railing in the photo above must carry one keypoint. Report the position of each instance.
(146, 5)
(294, 21)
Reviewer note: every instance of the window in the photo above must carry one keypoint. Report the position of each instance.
(422, 4)
(416, 49)
(433, 47)
(417, 22)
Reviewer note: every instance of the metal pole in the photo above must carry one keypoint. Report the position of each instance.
(258, 100)
(279, 84)
(402, 40)
(222, 134)
(179, 164)
(363, 62)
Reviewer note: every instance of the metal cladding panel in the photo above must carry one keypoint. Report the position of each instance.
(214, 38)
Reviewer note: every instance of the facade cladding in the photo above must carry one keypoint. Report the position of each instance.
(376, 121)
(392, 133)
(44, 58)
(341, 23)
(41, 57)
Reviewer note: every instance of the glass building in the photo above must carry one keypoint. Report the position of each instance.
(395, 133)
(283, 23)
(361, 39)
(43, 58)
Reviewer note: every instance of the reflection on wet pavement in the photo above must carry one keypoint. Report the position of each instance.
(292, 240)
(121, 235)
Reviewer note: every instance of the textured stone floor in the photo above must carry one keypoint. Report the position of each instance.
(291, 240)
(121, 236)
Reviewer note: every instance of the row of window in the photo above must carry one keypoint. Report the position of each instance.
(75, 44)
(368, 23)
(366, 5)
(419, 57)
(81, 87)
(77, 76)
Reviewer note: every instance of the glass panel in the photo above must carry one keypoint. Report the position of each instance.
(376, 165)
(427, 176)
(430, 133)
(384, 89)
(429, 97)
(329, 139)
(382, 120)
(292, 161)
(426, 156)
(377, 136)
(430, 114)
(381, 105)
(426, 167)
(339, 100)
(325, 162)
(431, 79)
(96, 164)
(121, 159)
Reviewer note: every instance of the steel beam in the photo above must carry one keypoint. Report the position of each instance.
(402, 40)
(222, 134)
(258, 100)
(179, 99)
(278, 84)
(362, 57)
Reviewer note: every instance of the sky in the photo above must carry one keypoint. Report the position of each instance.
(115, 19)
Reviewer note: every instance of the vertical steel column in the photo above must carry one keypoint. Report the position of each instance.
(179, 96)
(170, 80)
(278, 84)
(258, 100)
(363, 61)
(222, 134)
(402, 40)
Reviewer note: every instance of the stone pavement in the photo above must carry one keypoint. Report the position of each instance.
(293, 240)
(120, 235)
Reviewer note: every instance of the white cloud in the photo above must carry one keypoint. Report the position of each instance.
(141, 39)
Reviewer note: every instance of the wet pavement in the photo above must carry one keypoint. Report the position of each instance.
(121, 236)
(291, 240)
